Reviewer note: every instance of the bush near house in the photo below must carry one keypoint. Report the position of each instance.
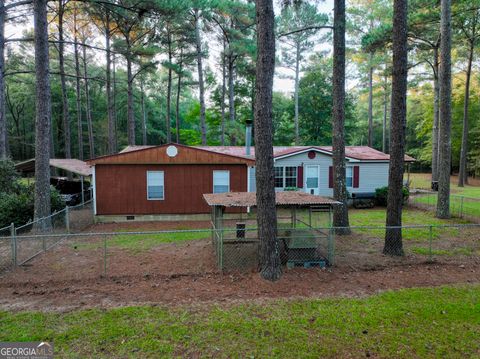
(381, 195)
(17, 199)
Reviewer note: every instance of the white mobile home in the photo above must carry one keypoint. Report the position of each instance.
(309, 168)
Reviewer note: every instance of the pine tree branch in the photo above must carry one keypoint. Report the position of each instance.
(305, 29)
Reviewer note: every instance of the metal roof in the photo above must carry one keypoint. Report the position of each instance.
(249, 199)
(361, 153)
(68, 164)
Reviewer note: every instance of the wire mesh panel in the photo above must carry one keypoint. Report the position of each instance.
(6, 249)
(460, 206)
(80, 216)
(32, 238)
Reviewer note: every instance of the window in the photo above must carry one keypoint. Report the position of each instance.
(349, 176)
(221, 181)
(285, 177)
(155, 185)
(290, 176)
(279, 177)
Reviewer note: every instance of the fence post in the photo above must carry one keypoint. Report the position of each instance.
(104, 256)
(430, 254)
(14, 244)
(67, 219)
(461, 207)
(331, 247)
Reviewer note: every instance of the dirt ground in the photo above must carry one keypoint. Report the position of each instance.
(71, 275)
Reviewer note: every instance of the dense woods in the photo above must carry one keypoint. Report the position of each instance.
(148, 72)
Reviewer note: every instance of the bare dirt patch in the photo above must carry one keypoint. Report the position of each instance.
(71, 275)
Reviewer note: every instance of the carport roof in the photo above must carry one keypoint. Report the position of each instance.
(249, 199)
(68, 164)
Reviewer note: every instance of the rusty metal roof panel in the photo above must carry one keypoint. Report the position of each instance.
(249, 199)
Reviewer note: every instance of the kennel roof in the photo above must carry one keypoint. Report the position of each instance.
(249, 199)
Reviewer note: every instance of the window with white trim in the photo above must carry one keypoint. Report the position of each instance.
(221, 181)
(349, 176)
(285, 177)
(155, 185)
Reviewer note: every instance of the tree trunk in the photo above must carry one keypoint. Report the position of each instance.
(112, 148)
(462, 175)
(444, 144)
(393, 234)
(231, 94)
(224, 90)
(61, 63)
(168, 122)
(130, 111)
(177, 101)
(370, 103)
(385, 115)
(144, 115)
(295, 95)
(435, 127)
(266, 209)
(77, 89)
(43, 114)
(91, 143)
(340, 214)
(198, 43)
(3, 118)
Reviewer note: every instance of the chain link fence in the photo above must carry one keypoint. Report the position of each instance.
(18, 245)
(460, 206)
(6, 250)
(201, 252)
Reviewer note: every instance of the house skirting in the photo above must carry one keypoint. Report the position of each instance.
(158, 217)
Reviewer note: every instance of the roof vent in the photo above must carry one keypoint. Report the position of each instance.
(172, 151)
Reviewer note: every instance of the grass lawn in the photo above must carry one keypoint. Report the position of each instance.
(377, 217)
(423, 181)
(430, 322)
(143, 242)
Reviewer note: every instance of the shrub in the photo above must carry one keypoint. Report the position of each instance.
(8, 176)
(17, 207)
(381, 195)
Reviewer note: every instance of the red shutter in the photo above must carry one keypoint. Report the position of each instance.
(300, 176)
(356, 176)
(330, 177)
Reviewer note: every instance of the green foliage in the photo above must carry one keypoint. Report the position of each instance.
(8, 176)
(381, 195)
(17, 207)
(316, 104)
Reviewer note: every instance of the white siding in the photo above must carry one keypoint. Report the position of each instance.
(322, 160)
(372, 174)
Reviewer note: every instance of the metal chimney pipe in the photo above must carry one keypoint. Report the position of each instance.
(248, 137)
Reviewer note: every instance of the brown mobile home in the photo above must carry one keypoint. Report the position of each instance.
(164, 180)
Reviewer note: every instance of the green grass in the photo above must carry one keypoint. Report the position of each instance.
(377, 217)
(423, 181)
(458, 206)
(143, 242)
(431, 322)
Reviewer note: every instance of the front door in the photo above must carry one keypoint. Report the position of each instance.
(312, 179)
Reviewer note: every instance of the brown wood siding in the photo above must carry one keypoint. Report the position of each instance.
(158, 155)
(122, 189)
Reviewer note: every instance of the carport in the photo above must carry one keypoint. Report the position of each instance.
(70, 165)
